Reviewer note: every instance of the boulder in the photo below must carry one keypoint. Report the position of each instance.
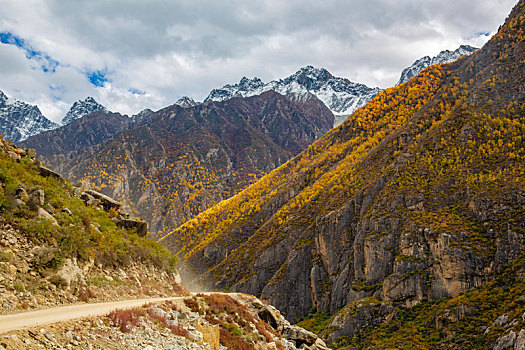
(13, 155)
(299, 335)
(46, 172)
(67, 211)
(19, 203)
(106, 201)
(49, 208)
(36, 199)
(319, 345)
(21, 193)
(273, 317)
(505, 342)
(87, 198)
(42, 214)
(139, 225)
(68, 275)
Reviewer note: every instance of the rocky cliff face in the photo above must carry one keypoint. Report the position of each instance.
(177, 162)
(420, 195)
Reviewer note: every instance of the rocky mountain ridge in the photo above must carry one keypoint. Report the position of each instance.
(82, 108)
(340, 95)
(186, 102)
(426, 61)
(20, 120)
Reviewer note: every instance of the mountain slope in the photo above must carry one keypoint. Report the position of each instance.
(419, 195)
(177, 162)
(19, 120)
(340, 95)
(76, 136)
(81, 108)
(424, 62)
(59, 244)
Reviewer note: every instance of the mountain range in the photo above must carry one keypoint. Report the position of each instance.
(417, 196)
(172, 164)
(19, 120)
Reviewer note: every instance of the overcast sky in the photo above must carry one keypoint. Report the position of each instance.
(130, 55)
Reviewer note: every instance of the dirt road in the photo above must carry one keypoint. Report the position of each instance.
(66, 313)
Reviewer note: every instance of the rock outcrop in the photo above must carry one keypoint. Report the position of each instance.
(134, 224)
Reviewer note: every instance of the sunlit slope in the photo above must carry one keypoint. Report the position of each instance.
(418, 195)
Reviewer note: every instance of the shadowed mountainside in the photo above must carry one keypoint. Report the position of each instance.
(177, 162)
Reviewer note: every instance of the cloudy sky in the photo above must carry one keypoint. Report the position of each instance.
(131, 54)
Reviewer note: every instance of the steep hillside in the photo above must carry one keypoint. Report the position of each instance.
(61, 244)
(418, 195)
(172, 164)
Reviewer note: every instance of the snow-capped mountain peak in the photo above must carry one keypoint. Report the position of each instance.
(339, 94)
(426, 61)
(186, 102)
(20, 120)
(310, 77)
(82, 108)
(246, 87)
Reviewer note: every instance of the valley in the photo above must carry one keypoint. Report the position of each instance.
(306, 212)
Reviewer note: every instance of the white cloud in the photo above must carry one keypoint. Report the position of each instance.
(187, 47)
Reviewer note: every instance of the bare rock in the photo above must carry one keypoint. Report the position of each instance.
(68, 274)
(139, 225)
(43, 214)
(520, 341)
(46, 172)
(21, 193)
(299, 335)
(19, 203)
(87, 198)
(49, 208)
(319, 345)
(13, 155)
(36, 199)
(106, 201)
(505, 342)
(273, 317)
